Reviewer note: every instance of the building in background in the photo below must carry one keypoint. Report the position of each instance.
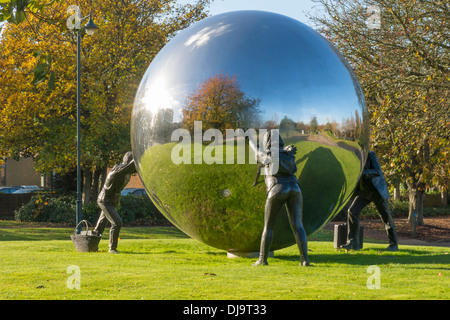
(21, 172)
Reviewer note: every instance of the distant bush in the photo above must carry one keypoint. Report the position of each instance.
(400, 209)
(135, 210)
(47, 208)
(91, 212)
(436, 211)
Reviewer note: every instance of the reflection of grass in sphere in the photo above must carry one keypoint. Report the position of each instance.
(193, 198)
(218, 205)
(327, 177)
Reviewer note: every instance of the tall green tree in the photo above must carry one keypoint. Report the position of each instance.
(400, 53)
(38, 118)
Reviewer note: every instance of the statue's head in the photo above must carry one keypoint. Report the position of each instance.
(272, 140)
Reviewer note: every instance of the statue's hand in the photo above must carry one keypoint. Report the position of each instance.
(294, 149)
(291, 149)
(370, 173)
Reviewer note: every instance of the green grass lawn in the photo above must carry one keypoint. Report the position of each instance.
(162, 263)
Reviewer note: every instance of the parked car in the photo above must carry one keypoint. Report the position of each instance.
(30, 187)
(27, 190)
(134, 191)
(9, 190)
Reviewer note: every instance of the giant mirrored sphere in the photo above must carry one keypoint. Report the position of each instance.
(248, 70)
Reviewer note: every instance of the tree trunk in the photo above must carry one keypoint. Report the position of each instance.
(412, 214)
(420, 199)
(96, 184)
(104, 172)
(416, 196)
(397, 192)
(87, 185)
(444, 199)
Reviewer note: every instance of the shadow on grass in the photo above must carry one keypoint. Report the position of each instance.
(374, 257)
(153, 233)
(366, 256)
(34, 234)
(45, 234)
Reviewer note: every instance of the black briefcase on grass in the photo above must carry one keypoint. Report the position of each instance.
(340, 235)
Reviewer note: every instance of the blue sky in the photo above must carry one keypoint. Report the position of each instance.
(296, 9)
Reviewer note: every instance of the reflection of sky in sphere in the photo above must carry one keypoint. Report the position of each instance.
(294, 71)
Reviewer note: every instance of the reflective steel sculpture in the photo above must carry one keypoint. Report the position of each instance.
(254, 71)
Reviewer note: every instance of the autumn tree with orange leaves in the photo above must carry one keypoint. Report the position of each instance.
(38, 118)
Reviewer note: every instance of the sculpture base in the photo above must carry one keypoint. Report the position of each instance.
(245, 254)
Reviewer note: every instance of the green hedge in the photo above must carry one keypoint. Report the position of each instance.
(399, 209)
(47, 208)
(134, 210)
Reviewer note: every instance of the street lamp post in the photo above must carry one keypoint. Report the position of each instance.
(90, 27)
(79, 213)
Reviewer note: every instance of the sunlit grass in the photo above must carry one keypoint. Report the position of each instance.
(162, 263)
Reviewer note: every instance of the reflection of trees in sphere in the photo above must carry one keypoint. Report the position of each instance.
(256, 71)
(220, 103)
